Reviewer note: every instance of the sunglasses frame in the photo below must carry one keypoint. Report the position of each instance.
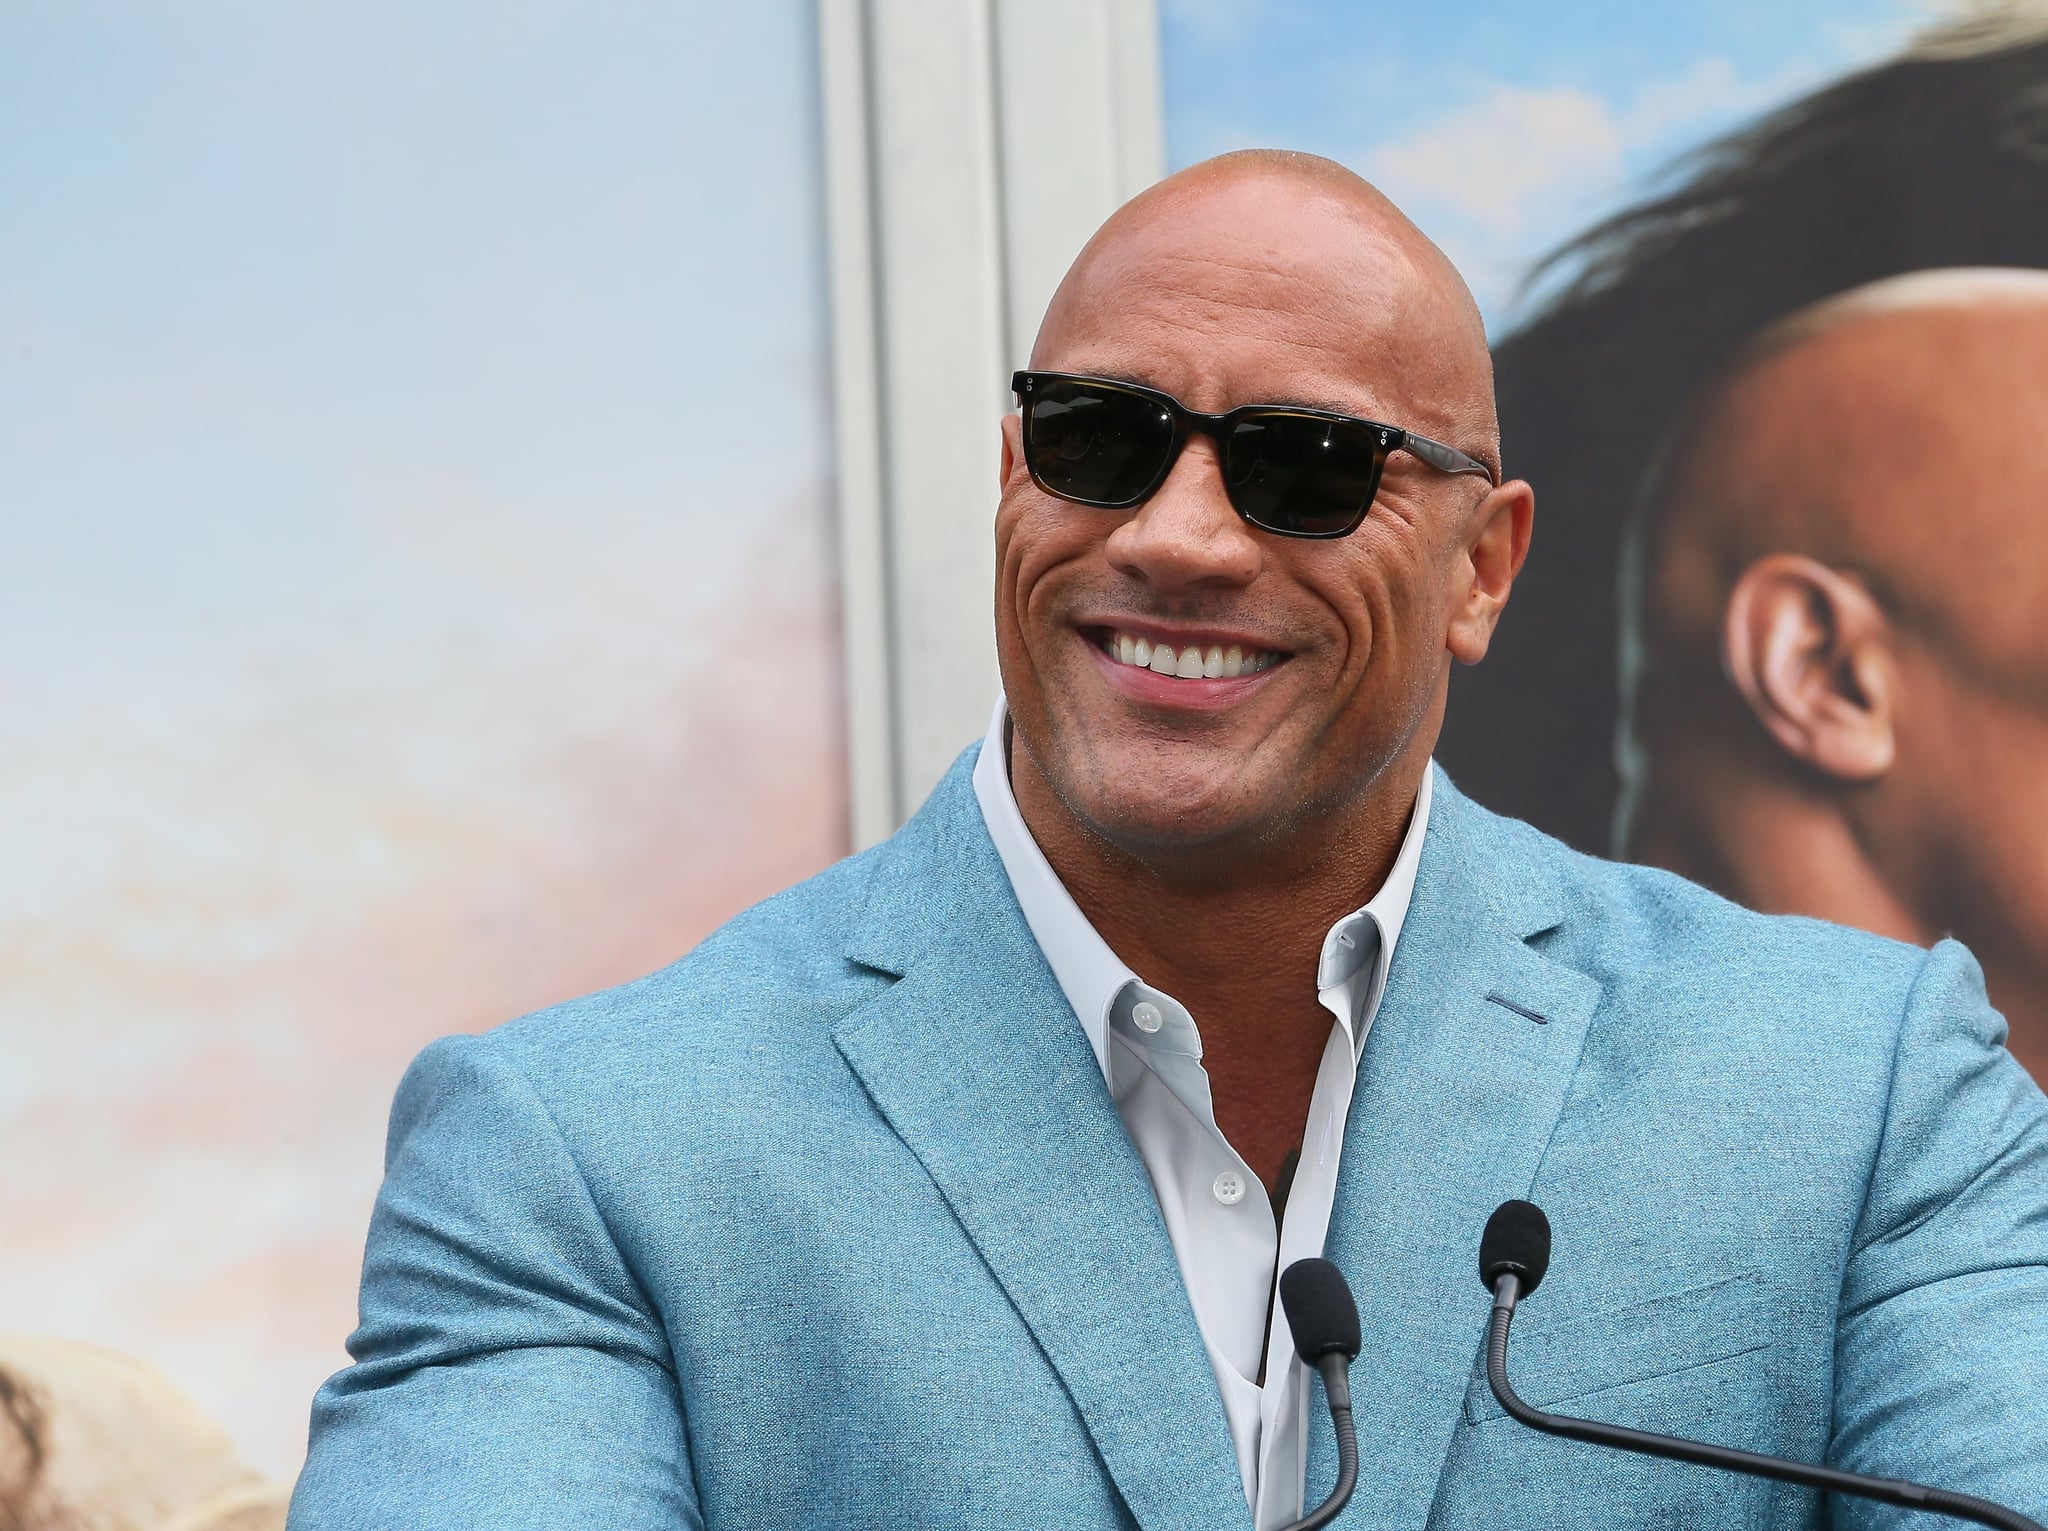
(1187, 422)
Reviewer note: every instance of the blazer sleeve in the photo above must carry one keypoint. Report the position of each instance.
(508, 1370)
(1942, 1341)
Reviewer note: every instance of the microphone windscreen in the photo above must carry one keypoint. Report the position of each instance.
(1517, 1239)
(1319, 1310)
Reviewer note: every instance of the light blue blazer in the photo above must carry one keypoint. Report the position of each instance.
(834, 1224)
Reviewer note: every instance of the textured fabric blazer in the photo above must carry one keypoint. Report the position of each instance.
(834, 1224)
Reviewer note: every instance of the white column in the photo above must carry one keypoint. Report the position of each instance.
(971, 146)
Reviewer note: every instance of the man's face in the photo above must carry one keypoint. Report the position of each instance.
(1254, 293)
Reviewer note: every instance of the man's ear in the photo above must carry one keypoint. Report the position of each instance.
(1810, 651)
(1013, 449)
(1502, 525)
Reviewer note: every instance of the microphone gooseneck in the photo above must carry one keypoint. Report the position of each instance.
(1324, 1321)
(1515, 1254)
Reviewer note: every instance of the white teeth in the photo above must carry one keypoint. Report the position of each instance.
(1194, 662)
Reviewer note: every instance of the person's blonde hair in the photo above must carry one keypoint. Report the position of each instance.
(93, 1440)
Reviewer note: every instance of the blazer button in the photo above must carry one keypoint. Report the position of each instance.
(1229, 1188)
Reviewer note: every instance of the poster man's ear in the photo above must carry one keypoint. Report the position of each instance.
(1809, 649)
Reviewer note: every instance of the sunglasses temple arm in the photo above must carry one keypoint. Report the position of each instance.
(1446, 459)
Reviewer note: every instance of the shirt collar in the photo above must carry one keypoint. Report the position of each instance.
(1092, 976)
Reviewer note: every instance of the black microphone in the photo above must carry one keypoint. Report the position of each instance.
(1324, 1320)
(1514, 1253)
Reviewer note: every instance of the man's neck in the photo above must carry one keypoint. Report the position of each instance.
(1240, 952)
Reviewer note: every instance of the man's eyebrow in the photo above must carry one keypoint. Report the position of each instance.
(1119, 375)
(1328, 406)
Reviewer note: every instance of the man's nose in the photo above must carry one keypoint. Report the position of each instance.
(1187, 533)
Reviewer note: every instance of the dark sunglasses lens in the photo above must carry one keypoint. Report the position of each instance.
(1098, 445)
(1301, 475)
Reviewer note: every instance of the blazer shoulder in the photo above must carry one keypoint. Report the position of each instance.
(777, 972)
(743, 1022)
(762, 993)
(1662, 915)
(1628, 923)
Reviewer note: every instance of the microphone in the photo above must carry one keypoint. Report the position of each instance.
(1324, 1320)
(1514, 1254)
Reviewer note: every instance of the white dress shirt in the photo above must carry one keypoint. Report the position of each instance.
(1217, 1211)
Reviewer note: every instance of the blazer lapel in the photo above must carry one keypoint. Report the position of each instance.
(979, 1065)
(1462, 1081)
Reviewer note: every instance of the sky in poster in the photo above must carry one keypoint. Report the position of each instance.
(1501, 127)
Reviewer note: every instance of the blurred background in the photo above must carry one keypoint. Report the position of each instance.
(487, 492)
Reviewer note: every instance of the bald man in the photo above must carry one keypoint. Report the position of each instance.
(950, 1189)
(1840, 684)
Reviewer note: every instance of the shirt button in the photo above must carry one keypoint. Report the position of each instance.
(1146, 1016)
(1229, 1188)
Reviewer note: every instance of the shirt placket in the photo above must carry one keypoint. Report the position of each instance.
(1348, 983)
(1218, 1212)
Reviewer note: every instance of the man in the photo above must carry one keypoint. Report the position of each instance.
(1839, 682)
(948, 1190)
(1927, 160)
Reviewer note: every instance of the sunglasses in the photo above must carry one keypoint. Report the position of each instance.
(1297, 472)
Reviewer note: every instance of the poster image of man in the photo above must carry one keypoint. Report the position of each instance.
(1799, 386)
(1935, 159)
(1835, 654)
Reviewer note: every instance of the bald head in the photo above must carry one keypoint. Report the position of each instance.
(1254, 233)
(1891, 433)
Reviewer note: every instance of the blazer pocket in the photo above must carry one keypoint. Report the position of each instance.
(1552, 1363)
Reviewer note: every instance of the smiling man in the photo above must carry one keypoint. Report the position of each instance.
(950, 1188)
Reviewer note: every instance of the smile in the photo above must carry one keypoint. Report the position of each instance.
(1191, 661)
